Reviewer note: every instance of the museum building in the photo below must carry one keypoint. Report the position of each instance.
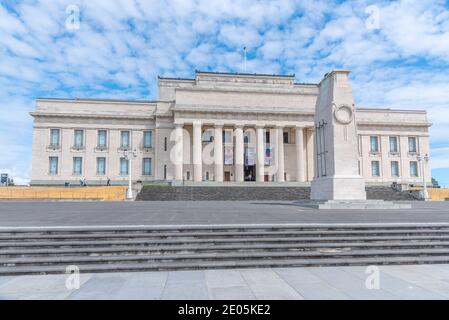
(217, 127)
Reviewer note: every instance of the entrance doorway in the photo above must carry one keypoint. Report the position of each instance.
(227, 176)
(250, 173)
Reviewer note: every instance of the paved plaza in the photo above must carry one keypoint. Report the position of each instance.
(32, 214)
(395, 282)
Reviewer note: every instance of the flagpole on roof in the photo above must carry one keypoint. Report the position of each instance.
(244, 59)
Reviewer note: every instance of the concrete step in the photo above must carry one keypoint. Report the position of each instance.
(241, 240)
(130, 250)
(215, 234)
(220, 256)
(196, 265)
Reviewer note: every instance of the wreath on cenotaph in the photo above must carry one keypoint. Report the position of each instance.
(343, 114)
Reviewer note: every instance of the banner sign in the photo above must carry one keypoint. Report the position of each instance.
(269, 156)
(250, 157)
(229, 156)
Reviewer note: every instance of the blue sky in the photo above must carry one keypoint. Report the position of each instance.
(398, 53)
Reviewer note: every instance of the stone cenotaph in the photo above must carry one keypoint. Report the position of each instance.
(338, 183)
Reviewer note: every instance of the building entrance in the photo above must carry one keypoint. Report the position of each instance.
(250, 173)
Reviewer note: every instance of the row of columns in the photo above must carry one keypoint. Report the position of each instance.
(239, 153)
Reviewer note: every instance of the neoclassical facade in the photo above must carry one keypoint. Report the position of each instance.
(221, 127)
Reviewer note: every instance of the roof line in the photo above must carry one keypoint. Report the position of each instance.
(247, 74)
(97, 100)
(392, 110)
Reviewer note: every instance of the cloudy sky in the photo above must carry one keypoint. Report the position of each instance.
(398, 53)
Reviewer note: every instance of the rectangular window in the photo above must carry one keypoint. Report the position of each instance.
(413, 169)
(54, 137)
(148, 139)
(394, 168)
(394, 144)
(267, 136)
(125, 140)
(285, 137)
(79, 138)
(123, 166)
(146, 167)
(101, 166)
(102, 139)
(412, 146)
(77, 166)
(227, 137)
(53, 166)
(374, 144)
(208, 136)
(165, 144)
(375, 169)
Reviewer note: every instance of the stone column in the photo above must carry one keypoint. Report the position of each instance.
(260, 155)
(179, 152)
(280, 154)
(300, 158)
(239, 157)
(218, 153)
(197, 153)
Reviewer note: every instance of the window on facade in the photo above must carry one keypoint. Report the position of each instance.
(77, 166)
(394, 144)
(165, 144)
(413, 168)
(79, 138)
(165, 172)
(53, 166)
(54, 137)
(207, 175)
(148, 139)
(227, 137)
(101, 166)
(188, 175)
(394, 168)
(102, 139)
(412, 146)
(285, 137)
(208, 136)
(146, 167)
(125, 140)
(374, 144)
(267, 136)
(375, 168)
(124, 166)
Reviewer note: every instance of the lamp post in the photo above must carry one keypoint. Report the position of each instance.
(129, 155)
(423, 160)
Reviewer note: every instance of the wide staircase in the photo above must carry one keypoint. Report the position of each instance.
(250, 193)
(51, 251)
(388, 194)
(188, 193)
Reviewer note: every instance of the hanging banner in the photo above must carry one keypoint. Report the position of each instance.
(250, 157)
(269, 156)
(229, 156)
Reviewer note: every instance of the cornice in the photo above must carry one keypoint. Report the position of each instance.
(396, 124)
(89, 116)
(224, 109)
(293, 91)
